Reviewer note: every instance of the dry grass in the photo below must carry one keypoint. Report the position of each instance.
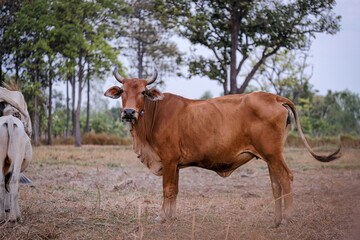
(104, 192)
(92, 138)
(346, 141)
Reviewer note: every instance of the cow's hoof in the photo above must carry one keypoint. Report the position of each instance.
(14, 220)
(11, 223)
(159, 219)
(287, 221)
(277, 224)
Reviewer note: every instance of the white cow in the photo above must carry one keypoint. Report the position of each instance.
(15, 156)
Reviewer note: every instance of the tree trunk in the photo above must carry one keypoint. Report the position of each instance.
(255, 68)
(36, 107)
(77, 127)
(73, 85)
(226, 80)
(250, 76)
(67, 109)
(140, 60)
(78, 108)
(50, 142)
(17, 66)
(1, 73)
(87, 127)
(140, 48)
(235, 28)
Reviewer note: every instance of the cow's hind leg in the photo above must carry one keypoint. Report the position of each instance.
(276, 188)
(3, 154)
(281, 174)
(15, 214)
(2, 195)
(170, 191)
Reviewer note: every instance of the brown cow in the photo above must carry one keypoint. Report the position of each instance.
(219, 134)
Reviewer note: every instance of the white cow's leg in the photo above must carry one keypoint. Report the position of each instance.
(2, 198)
(3, 154)
(7, 201)
(15, 214)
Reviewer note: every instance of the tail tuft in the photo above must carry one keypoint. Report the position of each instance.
(7, 178)
(328, 158)
(24, 179)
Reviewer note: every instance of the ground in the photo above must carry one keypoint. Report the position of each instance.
(97, 192)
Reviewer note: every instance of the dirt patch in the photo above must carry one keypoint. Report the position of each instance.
(100, 192)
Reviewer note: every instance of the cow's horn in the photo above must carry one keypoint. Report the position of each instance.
(153, 77)
(117, 75)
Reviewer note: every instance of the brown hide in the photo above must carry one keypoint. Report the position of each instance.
(219, 134)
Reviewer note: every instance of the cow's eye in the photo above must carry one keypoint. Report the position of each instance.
(143, 92)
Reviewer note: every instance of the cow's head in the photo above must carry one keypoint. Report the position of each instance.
(133, 92)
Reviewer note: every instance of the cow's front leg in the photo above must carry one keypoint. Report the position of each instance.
(170, 191)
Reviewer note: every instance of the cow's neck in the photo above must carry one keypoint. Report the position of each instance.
(142, 128)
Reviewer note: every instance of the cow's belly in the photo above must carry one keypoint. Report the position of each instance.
(222, 166)
(239, 160)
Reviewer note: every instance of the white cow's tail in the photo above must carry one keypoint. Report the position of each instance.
(11, 149)
(24, 179)
(7, 178)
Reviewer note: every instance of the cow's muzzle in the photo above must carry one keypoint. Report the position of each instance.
(128, 115)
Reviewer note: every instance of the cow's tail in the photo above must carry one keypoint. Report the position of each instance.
(328, 158)
(11, 149)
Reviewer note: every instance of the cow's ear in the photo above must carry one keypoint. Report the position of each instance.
(114, 92)
(154, 94)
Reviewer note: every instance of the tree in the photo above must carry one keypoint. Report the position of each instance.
(234, 28)
(330, 115)
(7, 19)
(287, 74)
(86, 30)
(33, 26)
(206, 95)
(148, 41)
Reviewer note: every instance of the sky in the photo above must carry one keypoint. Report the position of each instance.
(335, 60)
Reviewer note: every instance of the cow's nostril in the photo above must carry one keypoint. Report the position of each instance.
(129, 112)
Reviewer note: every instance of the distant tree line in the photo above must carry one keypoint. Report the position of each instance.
(77, 42)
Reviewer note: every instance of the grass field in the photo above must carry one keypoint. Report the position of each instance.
(103, 192)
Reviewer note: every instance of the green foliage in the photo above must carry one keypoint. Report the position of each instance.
(61, 40)
(336, 113)
(101, 122)
(104, 122)
(206, 95)
(148, 42)
(233, 28)
(7, 19)
(287, 74)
